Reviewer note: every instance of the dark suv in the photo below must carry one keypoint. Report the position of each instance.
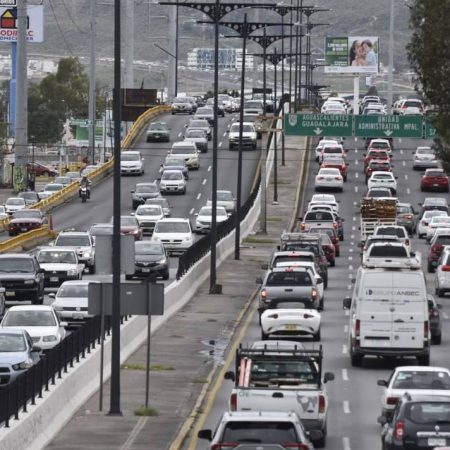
(419, 422)
(22, 277)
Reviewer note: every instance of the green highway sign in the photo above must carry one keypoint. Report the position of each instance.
(430, 131)
(318, 125)
(389, 126)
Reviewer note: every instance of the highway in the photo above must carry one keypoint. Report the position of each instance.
(354, 395)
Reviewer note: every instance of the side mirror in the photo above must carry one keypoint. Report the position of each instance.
(438, 306)
(347, 303)
(319, 280)
(63, 324)
(229, 375)
(205, 434)
(301, 218)
(52, 295)
(132, 213)
(382, 420)
(36, 349)
(133, 191)
(264, 266)
(278, 247)
(259, 281)
(382, 383)
(342, 220)
(328, 376)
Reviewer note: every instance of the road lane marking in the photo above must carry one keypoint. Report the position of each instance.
(350, 275)
(356, 188)
(408, 191)
(350, 258)
(444, 315)
(353, 228)
(345, 329)
(350, 250)
(179, 134)
(354, 218)
(220, 144)
(346, 406)
(356, 150)
(406, 176)
(224, 134)
(401, 151)
(346, 443)
(345, 374)
(404, 163)
(344, 349)
(347, 312)
(204, 181)
(349, 286)
(356, 174)
(199, 195)
(352, 237)
(209, 168)
(356, 139)
(356, 162)
(350, 267)
(191, 211)
(134, 433)
(399, 140)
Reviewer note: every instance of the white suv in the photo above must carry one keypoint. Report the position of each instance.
(131, 163)
(188, 151)
(249, 137)
(82, 242)
(176, 234)
(172, 181)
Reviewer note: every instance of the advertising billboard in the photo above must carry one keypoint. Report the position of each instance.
(352, 54)
(35, 27)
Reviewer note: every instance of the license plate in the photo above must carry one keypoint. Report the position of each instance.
(435, 185)
(10, 293)
(77, 316)
(54, 279)
(291, 327)
(145, 269)
(329, 179)
(436, 441)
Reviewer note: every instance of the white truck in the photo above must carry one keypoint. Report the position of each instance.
(267, 379)
(376, 212)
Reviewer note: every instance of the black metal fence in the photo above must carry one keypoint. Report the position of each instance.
(16, 396)
(201, 247)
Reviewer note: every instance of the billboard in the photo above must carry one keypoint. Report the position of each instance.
(35, 27)
(352, 54)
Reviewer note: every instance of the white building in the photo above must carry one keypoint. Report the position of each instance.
(229, 58)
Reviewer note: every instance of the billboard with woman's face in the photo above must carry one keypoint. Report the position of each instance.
(352, 54)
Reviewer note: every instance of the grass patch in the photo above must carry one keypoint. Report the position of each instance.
(274, 219)
(154, 368)
(199, 380)
(147, 412)
(256, 240)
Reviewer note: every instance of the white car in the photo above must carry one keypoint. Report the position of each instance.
(3, 214)
(416, 380)
(188, 151)
(147, 216)
(204, 218)
(380, 144)
(425, 220)
(14, 204)
(225, 199)
(253, 108)
(442, 278)
(334, 106)
(172, 181)
(425, 158)
(329, 179)
(176, 234)
(336, 150)
(328, 199)
(40, 321)
(411, 111)
(71, 302)
(390, 255)
(249, 138)
(82, 242)
(131, 163)
(59, 265)
(322, 144)
(49, 189)
(435, 223)
(394, 230)
(290, 318)
(382, 179)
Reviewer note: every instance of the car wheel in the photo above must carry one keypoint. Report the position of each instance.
(436, 339)
(165, 276)
(338, 253)
(341, 237)
(92, 269)
(345, 178)
(356, 360)
(424, 360)
(430, 268)
(325, 282)
(128, 277)
(320, 443)
(172, 113)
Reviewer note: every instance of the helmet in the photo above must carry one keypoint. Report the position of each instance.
(84, 177)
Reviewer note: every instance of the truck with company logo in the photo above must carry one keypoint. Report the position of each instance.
(388, 314)
(282, 379)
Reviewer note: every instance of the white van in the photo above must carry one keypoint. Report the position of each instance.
(388, 315)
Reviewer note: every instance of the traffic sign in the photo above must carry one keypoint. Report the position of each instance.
(389, 126)
(430, 131)
(318, 125)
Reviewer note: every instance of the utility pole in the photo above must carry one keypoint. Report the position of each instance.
(390, 94)
(92, 103)
(21, 151)
(172, 62)
(129, 39)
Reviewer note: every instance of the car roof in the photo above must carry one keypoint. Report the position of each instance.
(73, 232)
(16, 255)
(255, 415)
(422, 369)
(8, 330)
(78, 282)
(31, 308)
(172, 219)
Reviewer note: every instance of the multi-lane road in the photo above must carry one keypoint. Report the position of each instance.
(354, 395)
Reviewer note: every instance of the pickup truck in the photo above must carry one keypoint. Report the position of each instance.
(391, 255)
(283, 380)
(377, 212)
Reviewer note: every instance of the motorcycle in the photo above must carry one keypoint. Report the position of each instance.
(84, 194)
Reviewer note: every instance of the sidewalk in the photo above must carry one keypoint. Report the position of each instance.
(189, 345)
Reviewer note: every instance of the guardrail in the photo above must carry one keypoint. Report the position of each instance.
(23, 240)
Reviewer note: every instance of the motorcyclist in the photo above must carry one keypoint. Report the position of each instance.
(85, 182)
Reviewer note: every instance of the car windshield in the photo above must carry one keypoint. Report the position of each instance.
(73, 290)
(332, 150)
(62, 180)
(207, 211)
(435, 173)
(27, 214)
(129, 157)
(387, 251)
(97, 230)
(224, 196)
(172, 175)
(289, 278)
(374, 193)
(172, 227)
(404, 210)
(267, 432)
(28, 195)
(379, 145)
(421, 380)
(245, 128)
(181, 100)
(195, 134)
(148, 248)
(183, 150)
(15, 201)
(128, 221)
(148, 211)
(157, 127)
(428, 412)
(204, 111)
(158, 201)
(147, 189)
(430, 214)
(55, 256)
(198, 124)
(265, 370)
(382, 176)
(29, 319)
(442, 240)
(174, 162)
(12, 343)
(318, 216)
(425, 151)
(53, 187)
(16, 265)
(73, 241)
(329, 172)
(435, 201)
(255, 104)
(292, 259)
(399, 232)
(287, 305)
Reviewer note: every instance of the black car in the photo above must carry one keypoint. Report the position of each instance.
(150, 257)
(142, 192)
(434, 315)
(419, 422)
(22, 278)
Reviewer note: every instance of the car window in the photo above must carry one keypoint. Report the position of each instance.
(303, 371)
(172, 227)
(224, 196)
(383, 251)
(431, 412)
(149, 188)
(315, 216)
(443, 240)
(12, 343)
(421, 380)
(148, 248)
(73, 241)
(289, 278)
(55, 256)
(16, 265)
(125, 156)
(29, 319)
(172, 176)
(28, 214)
(434, 173)
(128, 221)
(148, 211)
(399, 232)
(263, 432)
(182, 150)
(73, 290)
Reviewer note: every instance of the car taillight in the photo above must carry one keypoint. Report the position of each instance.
(302, 226)
(233, 402)
(335, 225)
(424, 223)
(314, 293)
(320, 178)
(406, 241)
(445, 268)
(295, 446)
(434, 313)
(357, 328)
(263, 293)
(391, 400)
(408, 216)
(273, 316)
(224, 445)
(338, 178)
(399, 430)
(343, 167)
(321, 404)
(436, 249)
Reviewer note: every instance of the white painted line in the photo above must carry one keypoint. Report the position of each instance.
(401, 151)
(346, 443)
(356, 188)
(350, 267)
(445, 315)
(352, 236)
(349, 286)
(356, 150)
(356, 162)
(345, 374)
(350, 275)
(404, 163)
(355, 203)
(220, 144)
(347, 312)
(344, 349)
(191, 211)
(356, 174)
(199, 195)
(204, 181)
(399, 140)
(179, 134)
(353, 228)
(350, 250)
(406, 176)
(346, 406)
(354, 218)
(224, 134)
(408, 191)
(356, 139)
(209, 168)
(350, 258)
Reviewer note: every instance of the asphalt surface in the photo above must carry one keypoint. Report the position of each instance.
(354, 395)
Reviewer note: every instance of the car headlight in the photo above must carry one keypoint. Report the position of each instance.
(57, 308)
(22, 366)
(155, 238)
(137, 231)
(86, 254)
(162, 261)
(187, 239)
(49, 338)
(180, 185)
(28, 282)
(72, 272)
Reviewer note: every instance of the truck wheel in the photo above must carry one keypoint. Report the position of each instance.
(424, 360)
(356, 360)
(316, 337)
(264, 336)
(320, 443)
(430, 268)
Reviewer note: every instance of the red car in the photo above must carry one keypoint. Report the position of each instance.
(336, 163)
(375, 154)
(41, 170)
(380, 165)
(130, 225)
(332, 234)
(434, 180)
(327, 246)
(26, 220)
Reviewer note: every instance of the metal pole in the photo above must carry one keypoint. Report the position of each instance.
(237, 234)
(274, 133)
(115, 345)
(12, 91)
(263, 219)
(21, 134)
(356, 95)
(290, 64)
(149, 333)
(390, 93)
(300, 62)
(176, 51)
(213, 234)
(264, 75)
(282, 87)
(129, 44)
(297, 38)
(171, 63)
(102, 349)
(92, 105)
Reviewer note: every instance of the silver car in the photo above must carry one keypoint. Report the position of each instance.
(425, 158)
(17, 354)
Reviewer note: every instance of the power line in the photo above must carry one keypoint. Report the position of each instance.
(71, 18)
(59, 28)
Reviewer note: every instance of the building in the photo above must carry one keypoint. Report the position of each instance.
(229, 58)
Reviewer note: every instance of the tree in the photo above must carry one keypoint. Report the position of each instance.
(428, 53)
